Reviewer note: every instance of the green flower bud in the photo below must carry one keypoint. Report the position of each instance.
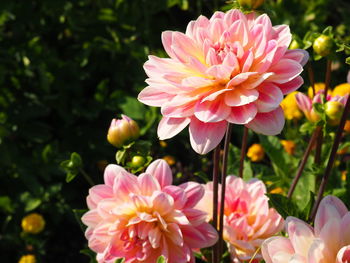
(323, 45)
(334, 111)
(251, 4)
(122, 131)
(137, 161)
(294, 44)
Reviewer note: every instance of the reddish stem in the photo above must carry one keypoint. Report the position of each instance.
(243, 151)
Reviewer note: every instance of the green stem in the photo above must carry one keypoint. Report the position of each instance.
(216, 157)
(87, 177)
(243, 151)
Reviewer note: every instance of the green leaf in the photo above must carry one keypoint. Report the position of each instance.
(6, 204)
(347, 60)
(283, 205)
(307, 127)
(161, 259)
(133, 108)
(247, 171)
(119, 260)
(308, 207)
(71, 175)
(76, 159)
(120, 156)
(302, 191)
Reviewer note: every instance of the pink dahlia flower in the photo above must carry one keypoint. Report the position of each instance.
(231, 68)
(248, 220)
(141, 218)
(327, 242)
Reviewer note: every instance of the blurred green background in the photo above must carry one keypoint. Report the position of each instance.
(66, 69)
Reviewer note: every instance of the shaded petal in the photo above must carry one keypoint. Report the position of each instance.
(343, 255)
(175, 234)
(98, 193)
(291, 86)
(161, 171)
(239, 97)
(270, 97)
(169, 127)
(318, 252)
(204, 137)
(178, 195)
(148, 184)
(304, 102)
(274, 245)
(152, 96)
(345, 227)
(162, 202)
(242, 114)
(299, 55)
(194, 192)
(212, 111)
(268, 123)
(285, 70)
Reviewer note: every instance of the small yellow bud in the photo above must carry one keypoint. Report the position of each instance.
(334, 111)
(137, 161)
(122, 131)
(294, 44)
(251, 4)
(323, 45)
(256, 152)
(33, 223)
(169, 159)
(289, 146)
(277, 190)
(27, 259)
(163, 144)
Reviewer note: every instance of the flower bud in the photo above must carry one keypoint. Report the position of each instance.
(251, 4)
(256, 152)
(27, 259)
(137, 161)
(33, 223)
(323, 45)
(122, 131)
(294, 44)
(334, 110)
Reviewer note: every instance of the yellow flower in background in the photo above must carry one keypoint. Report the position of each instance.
(347, 126)
(289, 146)
(163, 144)
(341, 90)
(169, 159)
(27, 259)
(343, 175)
(256, 152)
(318, 86)
(290, 107)
(277, 190)
(33, 223)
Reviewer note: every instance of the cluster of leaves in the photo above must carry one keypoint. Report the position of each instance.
(68, 67)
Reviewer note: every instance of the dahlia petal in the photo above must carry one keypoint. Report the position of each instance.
(239, 97)
(197, 82)
(204, 137)
(178, 195)
(214, 95)
(331, 234)
(186, 46)
(99, 239)
(140, 202)
(167, 39)
(193, 237)
(268, 123)
(175, 234)
(210, 234)
(345, 227)
(330, 207)
(154, 97)
(274, 245)
(194, 192)
(148, 184)
(179, 218)
(299, 55)
(161, 171)
(124, 184)
(162, 202)
(169, 127)
(98, 193)
(91, 218)
(303, 101)
(240, 78)
(270, 97)
(195, 216)
(343, 255)
(154, 236)
(211, 111)
(291, 86)
(179, 107)
(110, 173)
(256, 80)
(317, 252)
(242, 114)
(248, 61)
(285, 70)
(265, 21)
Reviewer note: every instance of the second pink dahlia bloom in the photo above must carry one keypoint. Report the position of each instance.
(248, 220)
(231, 68)
(141, 218)
(327, 242)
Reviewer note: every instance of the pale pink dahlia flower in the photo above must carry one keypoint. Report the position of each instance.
(141, 218)
(248, 220)
(327, 242)
(231, 68)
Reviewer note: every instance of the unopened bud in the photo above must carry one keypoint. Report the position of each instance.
(334, 111)
(122, 131)
(137, 161)
(323, 45)
(251, 4)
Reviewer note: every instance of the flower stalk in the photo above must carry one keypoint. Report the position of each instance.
(243, 151)
(216, 157)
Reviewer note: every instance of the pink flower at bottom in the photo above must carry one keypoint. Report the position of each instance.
(141, 218)
(327, 242)
(231, 68)
(248, 220)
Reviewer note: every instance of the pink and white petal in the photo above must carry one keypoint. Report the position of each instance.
(214, 95)
(270, 97)
(174, 234)
(330, 207)
(110, 173)
(212, 111)
(345, 227)
(195, 216)
(91, 218)
(318, 252)
(194, 192)
(348, 77)
(285, 70)
(161, 171)
(268, 123)
(242, 114)
(274, 245)
(179, 107)
(98, 193)
(238, 97)
(193, 237)
(152, 96)
(204, 137)
(240, 78)
(292, 85)
(256, 80)
(178, 195)
(125, 183)
(303, 101)
(343, 255)
(210, 234)
(331, 235)
(169, 127)
(148, 184)
(167, 40)
(154, 237)
(162, 202)
(299, 55)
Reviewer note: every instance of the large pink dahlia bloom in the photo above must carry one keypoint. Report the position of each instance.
(141, 218)
(231, 68)
(248, 220)
(327, 242)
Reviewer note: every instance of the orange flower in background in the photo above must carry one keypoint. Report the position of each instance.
(256, 152)
(347, 126)
(289, 146)
(169, 159)
(33, 223)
